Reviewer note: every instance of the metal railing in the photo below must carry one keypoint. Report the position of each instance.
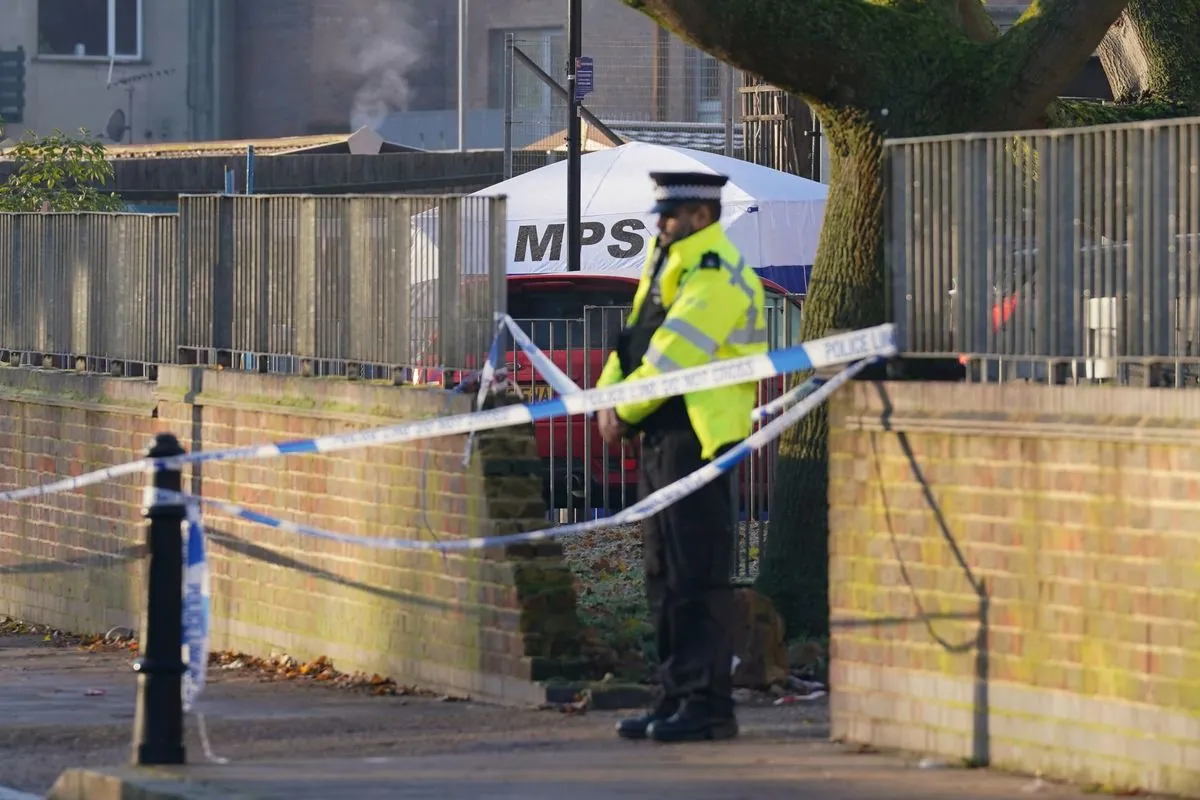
(1081, 246)
(583, 478)
(79, 290)
(353, 285)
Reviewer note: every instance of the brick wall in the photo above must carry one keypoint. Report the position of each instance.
(488, 624)
(1078, 511)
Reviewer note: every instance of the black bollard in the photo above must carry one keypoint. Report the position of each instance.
(158, 724)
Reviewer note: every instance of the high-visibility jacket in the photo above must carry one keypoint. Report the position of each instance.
(714, 305)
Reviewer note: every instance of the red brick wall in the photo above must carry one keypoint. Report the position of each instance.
(487, 624)
(74, 560)
(1079, 511)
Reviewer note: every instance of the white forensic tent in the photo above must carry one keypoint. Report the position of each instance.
(774, 218)
(451, 254)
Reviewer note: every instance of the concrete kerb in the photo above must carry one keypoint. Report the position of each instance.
(135, 783)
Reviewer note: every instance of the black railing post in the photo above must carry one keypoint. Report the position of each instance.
(574, 137)
(158, 724)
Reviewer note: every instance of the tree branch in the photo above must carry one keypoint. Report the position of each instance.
(977, 24)
(836, 52)
(1047, 46)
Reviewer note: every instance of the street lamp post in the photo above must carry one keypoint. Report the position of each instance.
(574, 133)
(462, 76)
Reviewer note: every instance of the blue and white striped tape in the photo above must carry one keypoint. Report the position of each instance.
(197, 591)
(79, 481)
(558, 380)
(485, 385)
(831, 351)
(779, 404)
(876, 342)
(645, 508)
(562, 384)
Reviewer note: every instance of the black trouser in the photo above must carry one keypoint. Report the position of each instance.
(688, 552)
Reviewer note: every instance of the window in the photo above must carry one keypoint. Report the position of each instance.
(708, 89)
(546, 47)
(554, 319)
(98, 29)
(783, 319)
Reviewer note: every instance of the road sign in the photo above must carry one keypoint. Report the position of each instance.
(585, 77)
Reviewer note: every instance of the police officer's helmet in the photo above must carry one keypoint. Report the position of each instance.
(673, 189)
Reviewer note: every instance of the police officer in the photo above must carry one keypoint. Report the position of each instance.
(697, 301)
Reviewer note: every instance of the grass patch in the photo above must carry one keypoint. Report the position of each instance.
(610, 585)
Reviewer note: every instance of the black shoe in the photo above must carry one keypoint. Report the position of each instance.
(693, 724)
(635, 727)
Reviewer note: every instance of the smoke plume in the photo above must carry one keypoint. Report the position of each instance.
(384, 48)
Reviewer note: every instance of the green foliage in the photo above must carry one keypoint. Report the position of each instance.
(1026, 157)
(1082, 113)
(58, 173)
(611, 601)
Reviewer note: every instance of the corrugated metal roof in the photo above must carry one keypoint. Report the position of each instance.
(364, 141)
(593, 139)
(694, 135)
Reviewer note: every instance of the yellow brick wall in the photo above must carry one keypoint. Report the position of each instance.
(1077, 510)
(489, 624)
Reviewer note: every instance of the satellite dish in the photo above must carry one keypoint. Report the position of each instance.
(116, 127)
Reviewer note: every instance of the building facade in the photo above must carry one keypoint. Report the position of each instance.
(204, 69)
(88, 62)
(140, 71)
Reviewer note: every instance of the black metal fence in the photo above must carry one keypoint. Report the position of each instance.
(583, 478)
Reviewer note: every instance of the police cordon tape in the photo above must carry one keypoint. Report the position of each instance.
(643, 509)
(197, 576)
(768, 410)
(485, 382)
(562, 384)
(876, 342)
(197, 591)
(559, 381)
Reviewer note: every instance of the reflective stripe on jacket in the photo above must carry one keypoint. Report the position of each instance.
(714, 303)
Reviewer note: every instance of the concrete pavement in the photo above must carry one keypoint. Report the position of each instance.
(753, 769)
(62, 708)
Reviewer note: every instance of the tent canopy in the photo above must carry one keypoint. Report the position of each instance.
(774, 218)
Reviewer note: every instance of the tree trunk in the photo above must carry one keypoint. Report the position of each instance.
(846, 292)
(1152, 53)
(1151, 56)
(904, 67)
(848, 289)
